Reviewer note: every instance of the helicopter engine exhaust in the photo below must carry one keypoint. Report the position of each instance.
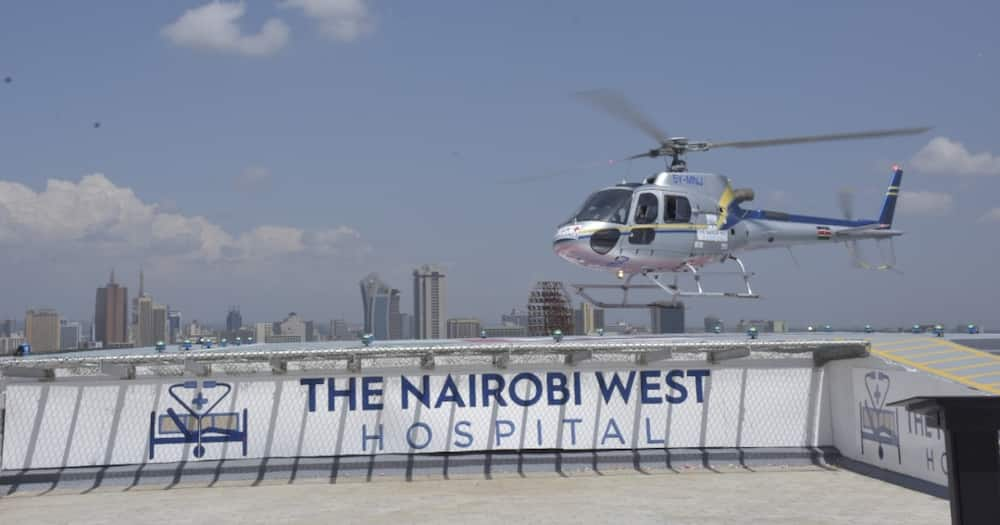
(741, 195)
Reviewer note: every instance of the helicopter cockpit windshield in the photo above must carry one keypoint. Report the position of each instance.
(610, 205)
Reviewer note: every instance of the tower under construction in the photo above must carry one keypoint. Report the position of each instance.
(549, 309)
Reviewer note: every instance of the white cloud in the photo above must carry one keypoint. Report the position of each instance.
(95, 216)
(925, 203)
(991, 216)
(943, 156)
(253, 179)
(215, 26)
(344, 20)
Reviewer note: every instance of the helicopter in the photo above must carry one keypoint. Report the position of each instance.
(678, 221)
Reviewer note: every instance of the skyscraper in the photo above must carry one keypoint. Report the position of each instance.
(111, 313)
(69, 335)
(41, 329)
(666, 318)
(429, 303)
(234, 320)
(161, 326)
(6, 328)
(378, 301)
(145, 333)
(174, 325)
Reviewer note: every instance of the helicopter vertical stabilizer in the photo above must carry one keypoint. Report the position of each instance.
(891, 195)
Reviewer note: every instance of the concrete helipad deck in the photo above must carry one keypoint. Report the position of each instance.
(810, 495)
(942, 357)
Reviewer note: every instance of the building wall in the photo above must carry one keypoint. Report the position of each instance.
(69, 335)
(111, 314)
(41, 329)
(145, 334)
(429, 308)
(463, 328)
(161, 325)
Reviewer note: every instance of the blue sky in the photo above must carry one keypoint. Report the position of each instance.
(273, 158)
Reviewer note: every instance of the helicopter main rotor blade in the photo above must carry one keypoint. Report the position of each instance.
(557, 173)
(615, 104)
(817, 138)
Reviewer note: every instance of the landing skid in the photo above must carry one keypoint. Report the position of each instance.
(673, 289)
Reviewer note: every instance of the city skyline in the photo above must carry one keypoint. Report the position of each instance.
(236, 175)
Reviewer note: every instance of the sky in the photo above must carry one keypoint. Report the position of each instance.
(269, 154)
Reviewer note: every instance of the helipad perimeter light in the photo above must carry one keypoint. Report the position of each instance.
(367, 339)
(187, 344)
(160, 346)
(869, 329)
(557, 335)
(600, 331)
(938, 330)
(916, 329)
(482, 334)
(810, 328)
(752, 332)
(717, 329)
(973, 329)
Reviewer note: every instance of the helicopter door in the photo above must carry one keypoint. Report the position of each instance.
(647, 210)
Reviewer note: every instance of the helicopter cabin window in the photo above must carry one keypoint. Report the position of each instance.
(678, 209)
(610, 205)
(647, 207)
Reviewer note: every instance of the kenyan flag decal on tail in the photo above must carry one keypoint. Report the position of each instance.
(823, 232)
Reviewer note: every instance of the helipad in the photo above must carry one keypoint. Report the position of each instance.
(794, 405)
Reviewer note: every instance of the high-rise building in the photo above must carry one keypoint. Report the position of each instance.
(666, 318)
(174, 325)
(405, 326)
(395, 317)
(41, 329)
(549, 309)
(377, 303)
(463, 328)
(587, 319)
(310, 331)
(339, 330)
(111, 314)
(70, 334)
(145, 325)
(291, 330)
(262, 331)
(234, 320)
(7, 328)
(161, 326)
(429, 303)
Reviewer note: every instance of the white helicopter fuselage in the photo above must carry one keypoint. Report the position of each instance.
(675, 221)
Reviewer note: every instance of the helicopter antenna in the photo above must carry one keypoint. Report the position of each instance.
(616, 105)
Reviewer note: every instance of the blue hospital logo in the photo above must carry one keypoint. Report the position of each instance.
(199, 424)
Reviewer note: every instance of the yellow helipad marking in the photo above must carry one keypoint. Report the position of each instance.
(967, 367)
(947, 360)
(928, 354)
(912, 348)
(902, 341)
(968, 380)
(984, 374)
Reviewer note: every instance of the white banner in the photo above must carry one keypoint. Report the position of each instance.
(129, 422)
(894, 438)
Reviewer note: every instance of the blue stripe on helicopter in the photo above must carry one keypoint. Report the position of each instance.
(804, 219)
